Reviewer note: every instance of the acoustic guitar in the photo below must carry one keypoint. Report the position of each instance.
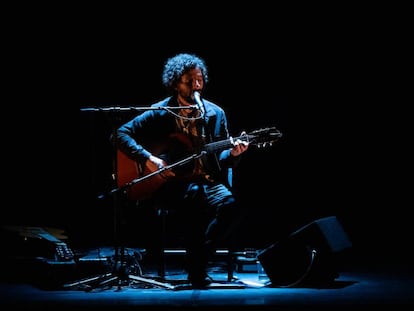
(141, 182)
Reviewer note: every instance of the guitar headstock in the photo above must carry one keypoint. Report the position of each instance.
(264, 137)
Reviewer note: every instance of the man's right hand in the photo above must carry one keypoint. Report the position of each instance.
(154, 164)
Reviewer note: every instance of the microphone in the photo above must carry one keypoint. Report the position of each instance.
(199, 103)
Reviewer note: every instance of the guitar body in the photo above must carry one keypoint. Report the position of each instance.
(129, 170)
(176, 148)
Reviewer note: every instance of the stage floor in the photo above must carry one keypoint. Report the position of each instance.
(356, 287)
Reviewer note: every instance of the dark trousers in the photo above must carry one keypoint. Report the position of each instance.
(208, 212)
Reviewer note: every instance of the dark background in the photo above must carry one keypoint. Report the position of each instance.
(58, 159)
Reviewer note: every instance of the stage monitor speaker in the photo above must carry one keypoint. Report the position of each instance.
(308, 256)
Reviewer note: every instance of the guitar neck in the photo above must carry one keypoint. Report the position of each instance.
(222, 144)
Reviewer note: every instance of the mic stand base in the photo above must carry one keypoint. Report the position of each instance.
(123, 274)
(108, 280)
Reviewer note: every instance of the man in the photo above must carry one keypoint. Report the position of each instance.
(185, 127)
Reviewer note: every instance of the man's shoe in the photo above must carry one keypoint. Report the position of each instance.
(200, 282)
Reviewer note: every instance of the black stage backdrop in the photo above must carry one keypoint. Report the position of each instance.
(58, 159)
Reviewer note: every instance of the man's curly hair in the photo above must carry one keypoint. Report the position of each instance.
(177, 65)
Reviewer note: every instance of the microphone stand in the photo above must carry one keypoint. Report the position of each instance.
(119, 274)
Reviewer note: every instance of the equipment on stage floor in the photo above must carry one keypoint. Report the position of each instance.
(36, 254)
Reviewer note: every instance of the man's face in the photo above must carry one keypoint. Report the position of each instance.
(190, 82)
